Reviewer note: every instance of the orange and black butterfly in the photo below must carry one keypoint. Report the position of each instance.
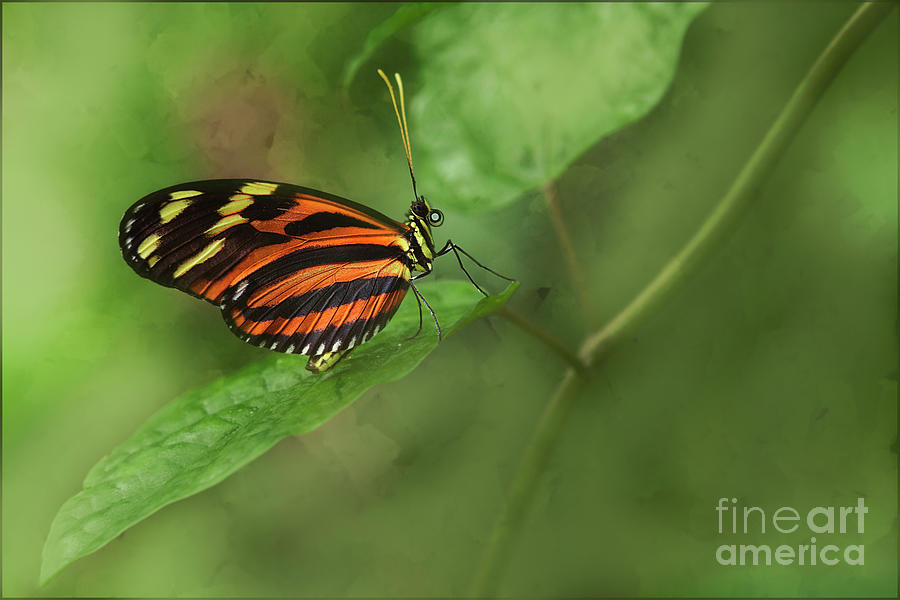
(292, 269)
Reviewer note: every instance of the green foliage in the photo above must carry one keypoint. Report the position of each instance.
(207, 434)
(509, 95)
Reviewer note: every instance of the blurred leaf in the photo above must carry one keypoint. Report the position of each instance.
(405, 16)
(485, 306)
(509, 95)
(207, 434)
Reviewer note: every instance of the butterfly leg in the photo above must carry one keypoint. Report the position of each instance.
(323, 362)
(421, 299)
(419, 302)
(450, 246)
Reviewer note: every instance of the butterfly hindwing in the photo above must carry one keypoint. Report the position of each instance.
(320, 310)
(292, 269)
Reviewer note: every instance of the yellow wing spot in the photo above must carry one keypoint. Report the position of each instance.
(205, 254)
(184, 194)
(259, 188)
(148, 246)
(224, 223)
(238, 203)
(170, 210)
(152, 261)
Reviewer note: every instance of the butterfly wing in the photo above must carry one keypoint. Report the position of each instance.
(328, 308)
(292, 269)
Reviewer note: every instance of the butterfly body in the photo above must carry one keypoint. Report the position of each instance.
(292, 269)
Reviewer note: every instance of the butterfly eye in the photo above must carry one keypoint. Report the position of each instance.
(435, 217)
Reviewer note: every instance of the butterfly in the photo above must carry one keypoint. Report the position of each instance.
(292, 269)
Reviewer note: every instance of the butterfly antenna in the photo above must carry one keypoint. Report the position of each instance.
(401, 121)
(433, 316)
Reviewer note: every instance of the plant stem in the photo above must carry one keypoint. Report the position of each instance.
(676, 271)
(522, 488)
(568, 249)
(542, 336)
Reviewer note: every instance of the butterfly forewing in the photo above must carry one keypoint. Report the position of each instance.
(292, 269)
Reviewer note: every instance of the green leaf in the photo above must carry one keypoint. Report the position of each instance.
(207, 434)
(405, 16)
(509, 95)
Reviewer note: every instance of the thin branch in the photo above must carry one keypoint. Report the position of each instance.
(542, 336)
(676, 271)
(748, 180)
(568, 249)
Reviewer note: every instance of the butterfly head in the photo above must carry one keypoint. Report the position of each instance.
(421, 218)
(422, 211)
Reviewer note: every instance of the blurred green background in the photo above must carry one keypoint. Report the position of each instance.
(771, 376)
